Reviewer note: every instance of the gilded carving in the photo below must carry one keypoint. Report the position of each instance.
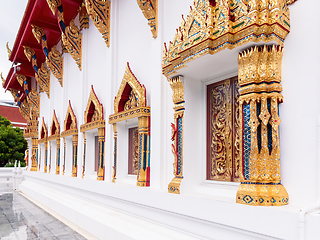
(71, 129)
(139, 91)
(42, 75)
(93, 106)
(70, 121)
(53, 58)
(53, 5)
(223, 130)
(260, 167)
(83, 17)
(55, 63)
(210, 28)
(34, 156)
(93, 118)
(150, 11)
(8, 50)
(177, 133)
(72, 39)
(99, 12)
(130, 103)
(2, 79)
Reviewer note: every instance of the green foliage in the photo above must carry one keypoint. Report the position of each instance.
(12, 143)
(22, 164)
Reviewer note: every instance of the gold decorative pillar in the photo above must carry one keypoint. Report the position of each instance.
(46, 156)
(177, 133)
(50, 157)
(34, 156)
(101, 154)
(74, 155)
(84, 154)
(144, 153)
(259, 80)
(115, 143)
(58, 157)
(64, 156)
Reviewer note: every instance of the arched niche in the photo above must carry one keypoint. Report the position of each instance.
(71, 130)
(55, 135)
(94, 121)
(44, 140)
(130, 103)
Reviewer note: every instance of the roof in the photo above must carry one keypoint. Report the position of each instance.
(10, 111)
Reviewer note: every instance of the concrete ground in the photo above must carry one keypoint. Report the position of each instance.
(21, 219)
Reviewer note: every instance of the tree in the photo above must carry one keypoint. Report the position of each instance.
(12, 143)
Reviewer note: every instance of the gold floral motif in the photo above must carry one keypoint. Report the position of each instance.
(55, 126)
(55, 63)
(37, 32)
(73, 124)
(34, 156)
(150, 11)
(227, 25)
(72, 39)
(135, 151)
(53, 5)
(34, 104)
(43, 79)
(259, 66)
(93, 99)
(53, 58)
(132, 102)
(224, 157)
(24, 109)
(21, 78)
(138, 90)
(83, 17)
(42, 75)
(99, 12)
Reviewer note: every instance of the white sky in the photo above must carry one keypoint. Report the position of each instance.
(10, 18)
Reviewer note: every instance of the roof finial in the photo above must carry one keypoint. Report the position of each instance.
(8, 50)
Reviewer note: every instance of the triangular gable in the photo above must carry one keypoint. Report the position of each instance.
(70, 121)
(94, 109)
(44, 131)
(55, 126)
(130, 90)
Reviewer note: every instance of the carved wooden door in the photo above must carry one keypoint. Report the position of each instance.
(223, 139)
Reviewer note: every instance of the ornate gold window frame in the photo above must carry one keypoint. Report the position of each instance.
(55, 135)
(124, 110)
(43, 139)
(94, 119)
(71, 129)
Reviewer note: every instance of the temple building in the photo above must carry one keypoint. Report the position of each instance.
(170, 119)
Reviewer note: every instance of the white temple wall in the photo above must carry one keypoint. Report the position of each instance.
(209, 205)
(300, 110)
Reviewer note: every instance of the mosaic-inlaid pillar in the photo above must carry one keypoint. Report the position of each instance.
(46, 157)
(84, 154)
(144, 152)
(115, 142)
(74, 155)
(34, 156)
(64, 156)
(259, 80)
(58, 157)
(50, 149)
(177, 133)
(101, 154)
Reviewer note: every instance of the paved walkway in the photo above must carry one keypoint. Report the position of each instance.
(21, 219)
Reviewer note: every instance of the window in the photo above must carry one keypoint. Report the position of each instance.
(223, 139)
